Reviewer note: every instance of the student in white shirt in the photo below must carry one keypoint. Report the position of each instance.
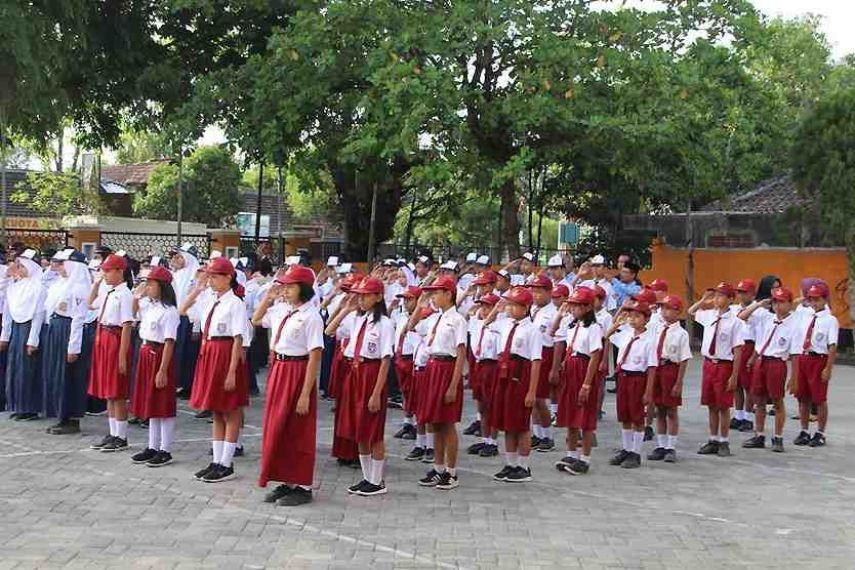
(743, 409)
(542, 314)
(483, 338)
(405, 345)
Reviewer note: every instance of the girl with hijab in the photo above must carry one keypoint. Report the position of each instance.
(184, 265)
(22, 325)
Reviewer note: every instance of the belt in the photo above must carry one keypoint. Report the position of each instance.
(580, 355)
(666, 362)
(221, 338)
(55, 316)
(109, 327)
(153, 343)
(443, 358)
(631, 372)
(812, 353)
(716, 360)
(286, 358)
(772, 358)
(486, 360)
(361, 360)
(405, 357)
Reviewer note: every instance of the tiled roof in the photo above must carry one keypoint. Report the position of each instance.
(130, 174)
(772, 196)
(15, 209)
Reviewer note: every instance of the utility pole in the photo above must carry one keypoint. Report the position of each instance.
(180, 191)
(370, 255)
(258, 202)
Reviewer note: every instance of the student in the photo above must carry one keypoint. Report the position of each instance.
(596, 275)
(109, 377)
(673, 353)
(743, 413)
(556, 271)
(22, 327)
(542, 314)
(484, 340)
(777, 338)
(66, 309)
(577, 355)
(813, 368)
(636, 371)
(220, 383)
(515, 392)
(722, 350)
(443, 396)
(291, 405)
(184, 263)
(660, 291)
(405, 345)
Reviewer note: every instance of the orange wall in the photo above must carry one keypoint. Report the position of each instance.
(791, 265)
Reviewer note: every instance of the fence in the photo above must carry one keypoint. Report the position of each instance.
(444, 252)
(139, 245)
(41, 240)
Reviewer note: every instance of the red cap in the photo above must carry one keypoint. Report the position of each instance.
(115, 262)
(582, 296)
(559, 291)
(658, 285)
(519, 296)
(746, 285)
(818, 290)
(541, 281)
(296, 274)
(638, 307)
(782, 294)
(672, 302)
(369, 286)
(443, 282)
(490, 299)
(725, 288)
(645, 296)
(486, 278)
(161, 274)
(599, 292)
(411, 292)
(220, 266)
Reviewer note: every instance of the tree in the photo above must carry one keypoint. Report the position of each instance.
(56, 193)
(211, 194)
(142, 146)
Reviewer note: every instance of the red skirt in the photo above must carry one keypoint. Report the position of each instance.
(105, 382)
(149, 401)
(419, 384)
(288, 441)
(714, 392)
(357, 423)
(508, 412)
(404, 372)
(572, 413)
(630, 397)
(209, 391)
(744, 377)
(438, 379)
(337, 371)
(663, 386)
(343, 447)
(485, 372)
(811, 387)
(546, 359)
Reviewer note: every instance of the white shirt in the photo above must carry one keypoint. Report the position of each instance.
(118, 309)
(377, 338)
(610, 302)
(302, 333)
(527, 341)
(731, 333)
(157, 321)
(581, 339)
(411, 338)
(655, 323)
(824, 335)
(542, 318)
(779, 339)
(642, 352)
(345, 328)
(604, 319)
(444, 332)
(69, 302)
(227, 319)
(484, 347)
(753, 324)
(676, 347)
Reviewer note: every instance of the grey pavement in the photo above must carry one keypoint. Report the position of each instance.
(64, 506)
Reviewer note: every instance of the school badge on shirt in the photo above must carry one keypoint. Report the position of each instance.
(372, 347)
(221, 328)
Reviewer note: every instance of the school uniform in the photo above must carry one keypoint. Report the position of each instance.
(447, 331)
(777, 340)
(818, 333)
(722, 334)
(485, 348)
(343, 448)
(520, 343)
(405, 345)
(289, 439)
(581, 343)
(421, 355)
(636, 355)
(672, 349)
(751, 327)
(4, 285)
(158, 324)
(542, 318)
(114, 310)
(610, 303)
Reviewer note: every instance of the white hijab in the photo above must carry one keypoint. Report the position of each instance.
(25, 293)
(182, 279)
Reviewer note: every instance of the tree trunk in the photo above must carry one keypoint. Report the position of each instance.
(510, 220)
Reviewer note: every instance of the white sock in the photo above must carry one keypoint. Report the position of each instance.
(420, 440)
(365, 463)
(749, 416)
(113, 430)
(538, 431)
(490, 441)
(626, 439)
(511, 458)
(637, 440)
(376, 471)
(478, 416)
(661, 440)
(737, 414)
(439, 468)
(524, 461)
(239, 441)
(714, 437)
(452, 471)
(408, 421)
(122, 429)
(228, 453)
(585, 458)
(723, 439)
(547, 431)
(154, 433)
(574, 454)
(167, 434)
(553, 408)
(429, 440)
(672, 442)
(217, 446)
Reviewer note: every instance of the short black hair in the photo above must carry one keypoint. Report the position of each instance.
(307, 292)
(632, 266)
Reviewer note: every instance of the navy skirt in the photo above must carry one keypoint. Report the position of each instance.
(23, 382)
(186, 353)
(64, 384)
(136, 343)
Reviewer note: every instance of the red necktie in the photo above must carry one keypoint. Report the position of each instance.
(506, 353)
(661, 344)
(809, 335)
(714, 337)
(104, 306)
(357, 350)
(769, 340)
(627, 351)
(208, 321)
(433, 330)
(480, 340)
(281, 326)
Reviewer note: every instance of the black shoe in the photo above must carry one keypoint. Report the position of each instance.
(416, 454)
(183, 394)
(107, 439)
(778, 444)
(219, 474)
(53, 427)
(162, 458)
(490, 450)
(410, 434)
(354, 489)
(204, 414)
(612, 390)
(199, 475)
(144, 424)
(519, 475)
(535, 441)
(348, 463)
(118, 444)
(724, 449)
(394, 404)
(428, 456)
(565, 462)
(370, 489)
(771, 412)
(620, 457)
(546, 444)
(735, 423)
(657, 454)
(818, 440)
(277, 493)
(746, 425)
(298, 496)
(649, 433)
(239, 451)
(475, 448)
(447, 482)
(144, 455)
(670, 456)
(400, 433)
(756, 442)
(26, 417)
(578, 468)
(802, 439)
(13, 416)
(473, 429)
(709, 448)
(69, 427)
(431, 479)
(133, 420)
(503, 474)
(632, 461)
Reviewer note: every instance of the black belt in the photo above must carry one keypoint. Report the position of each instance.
(152, 343)
(221, 338)
(109, 327)
(581, 355)
(665, 362)
(772, 358)
(631, 372)
(286, 358)
(812, 353)
(443, 358)
(55, 316)
(487, 361)
(716, 360)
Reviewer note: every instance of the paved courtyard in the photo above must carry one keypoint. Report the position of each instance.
(64, 506)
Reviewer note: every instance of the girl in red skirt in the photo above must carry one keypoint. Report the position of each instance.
(515, 391)
(154, 389)
(108, 377)
(484, 339)
(220, 383)
(291, 406)
(577, 355)
(364, 408)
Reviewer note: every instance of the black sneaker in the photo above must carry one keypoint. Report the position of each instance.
(475, 448)
(756, 442)
(778, 444)
(670, 456)
(162, 458)
(490, 450)
(818, 440)
(53, 427)
(709, 448)
(746, 425)
(277, 493)
(400, 433)
(107, 439)
(771, 412)
(239, 452)
(619, 457)
(431, 479)
(632, 461)
(565, 462)
(428, 456)
(519, 475)
(657, 454)
(204, 414)
(410, 434)
(535, 441)
(144, 424)
(219, 474)
(370, 489)
(802, 439)
(133, 420)
(578, 468)
(118, 444)
(144, 455)
(447, 482)
(354, 489)
(473, 429)
(416, 454)
(649, 433)
(27, 417)
(546, 444)
(67, 428)
(298, 496)
(503, 474)
(199, 475)
(734, 423)
(724, 449)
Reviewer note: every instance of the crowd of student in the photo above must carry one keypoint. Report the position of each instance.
(535, 347)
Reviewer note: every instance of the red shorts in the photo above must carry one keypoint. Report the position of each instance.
(508, 412)
(745, 377)
(438, 375)
(769, 378)
(105, 382)
(482, 380)
(630, 397)
(543, 387)
(811, 387)
(404, 371)
(149, 401)
(663, 386)
(714, 392)
(572, 413)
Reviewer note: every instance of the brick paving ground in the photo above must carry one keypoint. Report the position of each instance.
(64, 506)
